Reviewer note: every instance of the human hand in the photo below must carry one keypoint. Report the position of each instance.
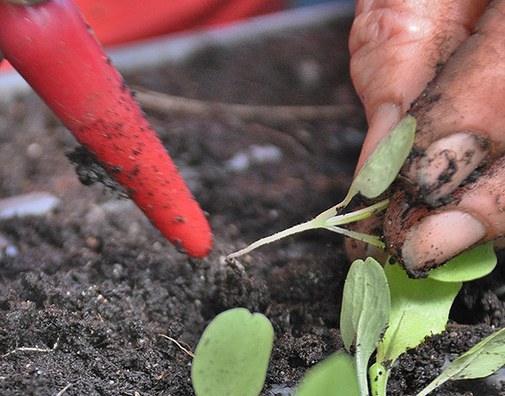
(456, 172)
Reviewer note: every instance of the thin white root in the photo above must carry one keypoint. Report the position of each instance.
(33, 349)
(179, 345)
(61, 392)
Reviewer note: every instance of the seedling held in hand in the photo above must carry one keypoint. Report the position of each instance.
(376, 175)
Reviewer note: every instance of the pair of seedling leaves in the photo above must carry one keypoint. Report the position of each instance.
(383, 310)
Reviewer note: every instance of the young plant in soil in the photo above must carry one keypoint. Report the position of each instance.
(50, 45)
(232, 355)
(384, 311)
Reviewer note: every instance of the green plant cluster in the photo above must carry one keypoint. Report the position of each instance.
(384, 312)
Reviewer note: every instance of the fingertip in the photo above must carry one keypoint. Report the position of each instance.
(440, 237)
(422, 238)
(382, 122)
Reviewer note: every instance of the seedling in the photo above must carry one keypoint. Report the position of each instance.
(232, 356)
(365, 312)
(480, 361)
(335, 375)
(383, 310)
(418, 308)
(52, 48)
(376, 175)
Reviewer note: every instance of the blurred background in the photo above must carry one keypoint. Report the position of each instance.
(121, 21)
(139, 34)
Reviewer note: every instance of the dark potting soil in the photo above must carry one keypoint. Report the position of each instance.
(88, 291)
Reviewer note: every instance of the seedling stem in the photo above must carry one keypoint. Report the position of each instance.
(326, 220)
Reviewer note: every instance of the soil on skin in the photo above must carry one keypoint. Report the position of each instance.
(92, 286)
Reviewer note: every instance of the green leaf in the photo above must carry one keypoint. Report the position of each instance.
(419, 308)
(365, 312)
(383, 165)
(232, 356)
(473, 264)
(480, 361)
(334, 376)
(378, 379)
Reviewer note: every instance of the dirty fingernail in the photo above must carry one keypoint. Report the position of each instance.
(447, 162)
(440, 237)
